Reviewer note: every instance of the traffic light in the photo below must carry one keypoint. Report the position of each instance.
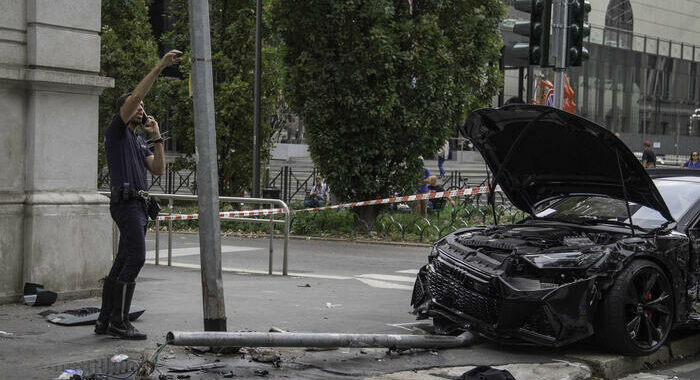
(576, 29)
(538, 29)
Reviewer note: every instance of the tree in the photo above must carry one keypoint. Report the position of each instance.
(233, 61)
(380, 82)
(128, 52)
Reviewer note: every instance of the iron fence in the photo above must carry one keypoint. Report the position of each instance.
(288, 183)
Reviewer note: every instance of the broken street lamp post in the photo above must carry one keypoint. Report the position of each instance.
(261, 339)
(207, 173)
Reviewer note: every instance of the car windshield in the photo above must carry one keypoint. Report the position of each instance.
(678, 195)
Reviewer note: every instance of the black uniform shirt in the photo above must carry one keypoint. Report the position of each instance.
(126, 153)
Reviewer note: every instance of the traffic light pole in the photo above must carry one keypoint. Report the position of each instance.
(559, 27)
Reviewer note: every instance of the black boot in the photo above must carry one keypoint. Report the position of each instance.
(106, 310)
(119, 324)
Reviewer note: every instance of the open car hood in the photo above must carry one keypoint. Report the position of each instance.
(539, 152)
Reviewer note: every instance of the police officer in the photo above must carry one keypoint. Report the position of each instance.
(128, 157)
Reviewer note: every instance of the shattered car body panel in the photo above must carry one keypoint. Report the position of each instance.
(593, 228)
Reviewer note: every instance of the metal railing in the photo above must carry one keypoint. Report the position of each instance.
(259, 201)
(626, 39)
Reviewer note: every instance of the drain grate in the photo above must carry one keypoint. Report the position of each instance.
(93, 366)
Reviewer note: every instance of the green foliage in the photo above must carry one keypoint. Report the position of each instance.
(128, 52)
(377, 85)
(233, 61)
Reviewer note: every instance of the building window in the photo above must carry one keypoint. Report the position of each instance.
(619, 24)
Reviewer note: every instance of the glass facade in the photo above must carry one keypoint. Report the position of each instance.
(641, 87)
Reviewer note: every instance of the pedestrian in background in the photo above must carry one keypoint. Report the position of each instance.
(442, 155)
(128, 157)
(437, 203)
(319, 196)
(693, 162)
(420, 206)
(648, 156)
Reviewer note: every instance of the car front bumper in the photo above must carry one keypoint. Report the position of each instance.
(497, 308)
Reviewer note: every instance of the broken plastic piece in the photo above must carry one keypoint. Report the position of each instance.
(118, 358)
(85, 316)
(36, 295)
(70, 373)
(193, 368)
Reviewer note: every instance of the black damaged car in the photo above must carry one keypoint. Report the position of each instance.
(605, 250)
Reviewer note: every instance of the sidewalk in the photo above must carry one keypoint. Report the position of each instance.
(36, 349)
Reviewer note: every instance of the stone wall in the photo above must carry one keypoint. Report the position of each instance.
(54, 228)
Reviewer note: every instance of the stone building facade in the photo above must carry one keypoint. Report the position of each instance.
(55, 228)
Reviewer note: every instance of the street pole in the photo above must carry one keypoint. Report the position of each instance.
(256, 113)
(559, 16)
(207, 172)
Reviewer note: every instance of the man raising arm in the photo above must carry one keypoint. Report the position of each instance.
(128, 157)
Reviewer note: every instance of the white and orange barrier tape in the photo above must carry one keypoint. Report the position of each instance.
(405, 198)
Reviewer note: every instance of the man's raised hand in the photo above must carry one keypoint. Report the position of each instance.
(170, 58)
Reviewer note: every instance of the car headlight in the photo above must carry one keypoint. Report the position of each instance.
(564, 259)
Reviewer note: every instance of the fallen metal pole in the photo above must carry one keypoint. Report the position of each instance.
(261, 339)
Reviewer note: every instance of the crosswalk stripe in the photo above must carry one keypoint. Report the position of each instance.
(194, 251)
(383, 284)
(388, 277)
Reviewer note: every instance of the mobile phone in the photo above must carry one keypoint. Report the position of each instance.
(144, 119)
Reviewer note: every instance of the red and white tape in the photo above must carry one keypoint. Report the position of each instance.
(405, 198)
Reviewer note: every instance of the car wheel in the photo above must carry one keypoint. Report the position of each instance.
(637, 312)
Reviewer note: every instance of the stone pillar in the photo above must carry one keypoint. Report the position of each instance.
(55, 228)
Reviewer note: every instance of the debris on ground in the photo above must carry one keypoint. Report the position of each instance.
(83, 316)
(70, 374)
(261, 372)
(277, 329)
(192, 368)
(228, 374)
(333, 305)
(198, 350)
(169, 355)
(36, 295)
(118, 358)
(227, 350)
(5, 334)
(487, 372)
(304, 286)
(262, 355)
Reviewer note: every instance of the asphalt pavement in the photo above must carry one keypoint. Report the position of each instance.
(335, 287)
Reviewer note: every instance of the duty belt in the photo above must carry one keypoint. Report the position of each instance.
(121, 194)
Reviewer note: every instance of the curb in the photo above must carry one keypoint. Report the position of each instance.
(319, 238)
(610, 367)
(560, 370)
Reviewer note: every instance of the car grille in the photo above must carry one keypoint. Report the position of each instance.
(539, 323)
(453, 288)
